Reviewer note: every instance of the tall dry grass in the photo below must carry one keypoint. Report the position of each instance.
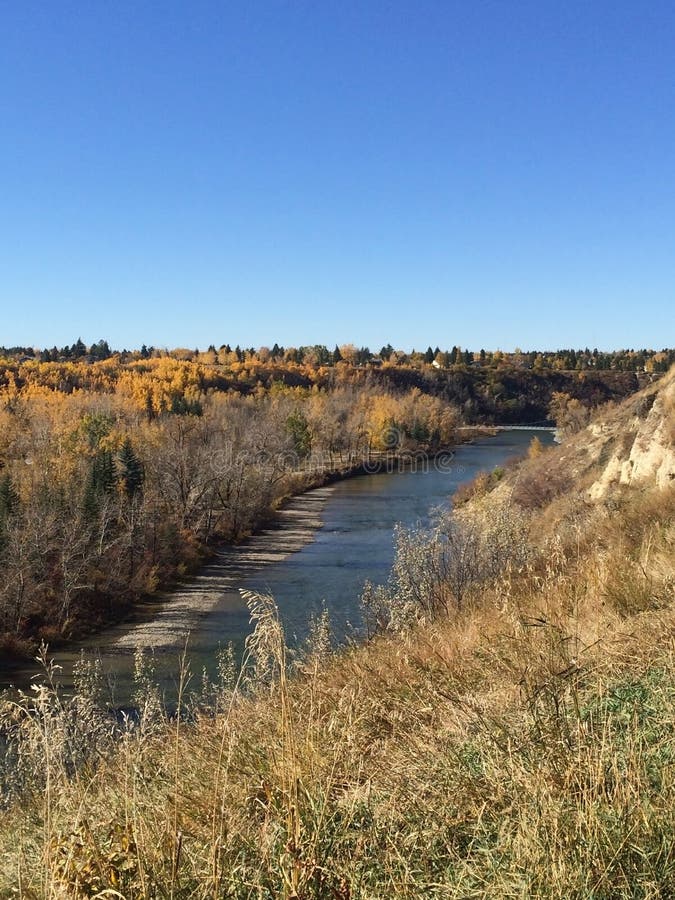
(520, 747)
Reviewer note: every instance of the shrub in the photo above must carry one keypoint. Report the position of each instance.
(539, 484)
(435, 569)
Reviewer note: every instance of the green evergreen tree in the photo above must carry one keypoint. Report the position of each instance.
(9, 499)
(323, 355)
(103, 475)
(101, 481)
(9, 502)
(100, 350)
(131, 469)
(298, 428)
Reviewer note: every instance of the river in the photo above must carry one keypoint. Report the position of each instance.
(324, 546)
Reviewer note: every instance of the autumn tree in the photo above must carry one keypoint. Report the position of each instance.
(569, 413)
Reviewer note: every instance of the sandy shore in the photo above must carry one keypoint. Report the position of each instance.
(180, 609)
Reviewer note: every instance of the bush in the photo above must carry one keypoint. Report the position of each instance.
(537, 485)
(435, 569)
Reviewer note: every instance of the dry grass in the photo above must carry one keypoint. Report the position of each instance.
(523, 748)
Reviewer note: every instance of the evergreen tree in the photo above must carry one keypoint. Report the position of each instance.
(337, 356)
(103, 474)
(323, 355)
(180, 406)
(131, 469)
(100, 350)
(9, 499)
(298, 428)
(101, 482)
(9, 502)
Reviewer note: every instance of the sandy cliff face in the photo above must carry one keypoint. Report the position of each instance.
(636, 445)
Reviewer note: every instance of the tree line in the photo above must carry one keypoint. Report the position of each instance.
(317, 355)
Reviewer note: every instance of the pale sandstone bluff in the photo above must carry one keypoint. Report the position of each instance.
(641, 450)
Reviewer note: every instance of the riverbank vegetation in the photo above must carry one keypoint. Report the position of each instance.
(119, 470)
(506, 732)
(108, 492)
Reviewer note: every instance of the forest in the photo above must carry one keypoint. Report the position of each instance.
(118, 471)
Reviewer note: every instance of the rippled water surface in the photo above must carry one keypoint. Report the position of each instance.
(355, 543)
(356, 540)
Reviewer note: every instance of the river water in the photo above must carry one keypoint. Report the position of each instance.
(324, 547)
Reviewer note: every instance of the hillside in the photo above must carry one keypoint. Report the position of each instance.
(631, 445)
(626, 450)
(509, 735)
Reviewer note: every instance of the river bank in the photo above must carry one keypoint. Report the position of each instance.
(16, 649)
(318, 549)
(162, 623)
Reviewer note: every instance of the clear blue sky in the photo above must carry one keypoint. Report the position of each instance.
(492, 174)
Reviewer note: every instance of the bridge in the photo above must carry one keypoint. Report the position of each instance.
(493, 429)
(534, 427)
(524, 427)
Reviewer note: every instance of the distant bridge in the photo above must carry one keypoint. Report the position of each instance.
(535, 427)
(524, 427)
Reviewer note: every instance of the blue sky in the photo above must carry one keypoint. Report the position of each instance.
(488, 174)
